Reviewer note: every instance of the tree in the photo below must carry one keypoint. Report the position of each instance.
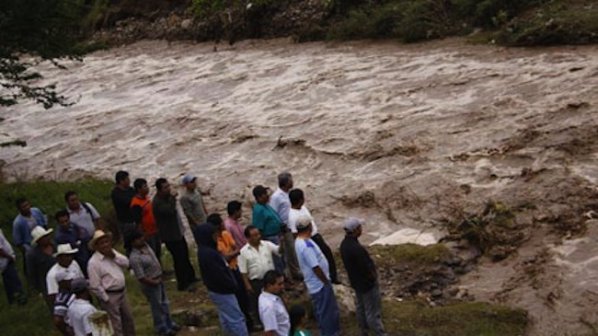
(33, 30)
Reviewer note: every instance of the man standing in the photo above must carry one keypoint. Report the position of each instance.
(81, 308)
(273, 312)
(121, 200)
(363, 278)
(64, 255)
(83, 214)
(234, 210)
(267, 221)
(255, 259)
(170, 231)
(281, 203)
(192, 202)
(10, 277)
(39, 261)
(107, 282)
(147, 270)
(317, 279)
(220, 282)
(143, 216)
(27, 219)
(70, 233)
(299, 210)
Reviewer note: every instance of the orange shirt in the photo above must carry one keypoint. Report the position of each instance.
(226, 245)
(148, 223)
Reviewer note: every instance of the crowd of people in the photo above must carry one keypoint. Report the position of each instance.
(244, 268)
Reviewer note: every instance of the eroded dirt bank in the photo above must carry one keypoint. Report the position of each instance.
(406, 136)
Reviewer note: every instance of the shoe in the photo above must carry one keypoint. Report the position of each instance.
(336, 282)
(176, 327)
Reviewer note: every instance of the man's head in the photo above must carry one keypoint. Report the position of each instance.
(62, 218)
(72, 200)
(41, 236)
(234, 209)
(162, 186)
(23, 206)
(285, 181)
(122, 179)
(304, 227)
(65, 255)
(141, 187)
(190, 182)
(253, 235)
(273, 282)
(216, 221)
(101, 242)
(79, 288)
(136, 240)
(297, 198)
(261, 194)
(353, 226)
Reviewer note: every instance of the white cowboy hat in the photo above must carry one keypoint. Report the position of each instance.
(97, 235)
(39, 232)
(65, 249)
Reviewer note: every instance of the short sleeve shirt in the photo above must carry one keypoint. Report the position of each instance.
(226, 244)
(84, 219)
(144, 263)
(78, 315)
(74, 270)
(255, 263)
(273, 314)
(309, 256)
(294, 216)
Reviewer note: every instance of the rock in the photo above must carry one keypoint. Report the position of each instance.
(186, 24)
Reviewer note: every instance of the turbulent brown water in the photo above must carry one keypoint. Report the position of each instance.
(401, 135)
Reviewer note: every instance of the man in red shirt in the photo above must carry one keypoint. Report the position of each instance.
(143, 215)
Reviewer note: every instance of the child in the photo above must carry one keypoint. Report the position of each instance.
(297, 315)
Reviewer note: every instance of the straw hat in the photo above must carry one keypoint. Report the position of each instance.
(65, 249)
(39, 232)
(96, 236)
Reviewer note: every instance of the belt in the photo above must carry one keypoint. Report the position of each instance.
(114, 291)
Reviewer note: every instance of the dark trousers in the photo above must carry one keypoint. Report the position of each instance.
(319, 240)
(184, 272)
(257, 286)
(12, 283)
(243, 298)
(155, 244)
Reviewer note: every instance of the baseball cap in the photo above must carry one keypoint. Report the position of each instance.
(188, 179)
(78, 285)
(352, 223)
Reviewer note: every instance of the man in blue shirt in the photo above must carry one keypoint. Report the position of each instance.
(27, 219)
(316, 277)
(68, 232)
(267, 221)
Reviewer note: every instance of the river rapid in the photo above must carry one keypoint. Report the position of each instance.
(401, 135)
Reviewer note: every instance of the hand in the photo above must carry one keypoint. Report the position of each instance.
(249, 290)
(110, 254)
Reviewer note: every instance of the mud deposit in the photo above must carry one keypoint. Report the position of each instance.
(409, 137)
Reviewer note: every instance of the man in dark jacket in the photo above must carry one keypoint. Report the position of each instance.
(363, 277)
(121, 199)
(170, 231)
(220, 281)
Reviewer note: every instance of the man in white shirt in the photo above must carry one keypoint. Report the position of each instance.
(80, 309)
(255, 259)
(64, 255)
(83, 214)
(273, 312)
(107, 282)
(299, 210)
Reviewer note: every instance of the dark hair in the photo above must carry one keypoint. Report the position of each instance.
(160, 182)
(214, 219)
(296, 315)
(60, 214)
(296, 196)
(284, 178)
(248, 229)
(232, 207)
(139, 183)
(20, 201)
(259, 190)
(270, 277)
(121, 175)
(68, 195)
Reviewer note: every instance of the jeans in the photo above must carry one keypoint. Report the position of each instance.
(12, 283)
(369, 312)
(326, 311)
(278, 261)
(231, 317)
(319, 240)
(184, 272)
(156, 296)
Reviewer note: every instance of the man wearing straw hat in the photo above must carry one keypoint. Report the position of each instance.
(39, 261)
(64, 255)
(107, 282)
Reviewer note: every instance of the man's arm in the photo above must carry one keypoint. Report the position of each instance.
(120, 259)
(247, 283)
(94, 282)
(320, 274)
(188, 211)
